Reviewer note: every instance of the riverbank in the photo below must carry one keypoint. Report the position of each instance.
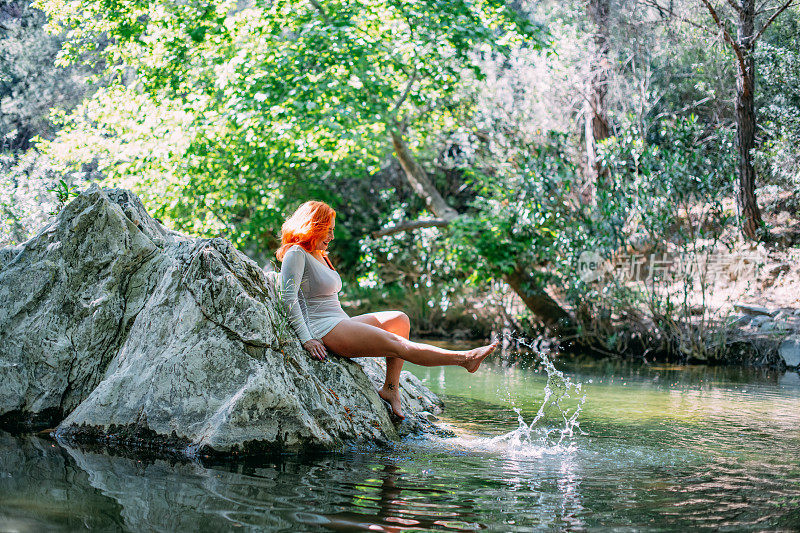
(679, 298)
(720, 300)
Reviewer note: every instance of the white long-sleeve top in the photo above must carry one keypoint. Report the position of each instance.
(310, 291)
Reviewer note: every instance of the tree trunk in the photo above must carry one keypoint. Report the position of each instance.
(541, 304)
(746, 123)
(595, 112)
(420, 181)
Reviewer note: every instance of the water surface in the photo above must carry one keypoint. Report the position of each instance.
(657, 448)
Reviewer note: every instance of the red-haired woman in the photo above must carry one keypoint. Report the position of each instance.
(310, 287)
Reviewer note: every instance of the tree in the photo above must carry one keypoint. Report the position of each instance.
(596, 113)
(29, 83)
(278, 97)
(743, 16)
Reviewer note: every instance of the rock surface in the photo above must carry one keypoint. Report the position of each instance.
(123, 330)
(790, 351)
(754, 309)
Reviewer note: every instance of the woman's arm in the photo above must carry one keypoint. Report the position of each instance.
(292, 268)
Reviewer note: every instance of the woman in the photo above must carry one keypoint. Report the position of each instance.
(310, 287)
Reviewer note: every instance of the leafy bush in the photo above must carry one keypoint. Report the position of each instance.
(778, 155)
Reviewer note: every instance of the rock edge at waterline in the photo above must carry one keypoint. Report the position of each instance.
(116, 328)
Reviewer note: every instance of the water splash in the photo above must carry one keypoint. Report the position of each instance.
(557, 389)
(540, 437)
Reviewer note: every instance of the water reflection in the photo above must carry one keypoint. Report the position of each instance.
(421, 486)
(334, 492)
(392, 505)
(41, 489)
(702, 453)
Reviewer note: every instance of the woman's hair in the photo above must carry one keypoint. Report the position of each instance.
(306, 227)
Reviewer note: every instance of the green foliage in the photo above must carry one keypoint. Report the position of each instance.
(31, 88)
(778, 156)
(666, 192)
(526, 214)
(64, 193)
(28, 194)
(239, 114)
(522, 214)
(29, 83)
(418, 273)
(650, 182)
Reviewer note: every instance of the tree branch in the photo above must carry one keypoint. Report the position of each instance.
(736, 7)
(762, 8)
(418, 178)
(411, 225)
(653, 3)
(772, 19)
(727, 36)
(403, 97)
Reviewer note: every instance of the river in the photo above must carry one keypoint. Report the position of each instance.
(653, 448)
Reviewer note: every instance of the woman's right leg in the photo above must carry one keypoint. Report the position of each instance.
(355, 339)
(394, 322)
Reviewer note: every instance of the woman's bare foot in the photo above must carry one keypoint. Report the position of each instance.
(476, 356)
(392, 395)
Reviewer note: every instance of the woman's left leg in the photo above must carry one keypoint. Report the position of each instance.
(396, 322)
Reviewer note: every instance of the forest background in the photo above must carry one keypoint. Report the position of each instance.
(474, 151)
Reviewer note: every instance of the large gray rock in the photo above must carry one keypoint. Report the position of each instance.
(136, 334)
(68, 297)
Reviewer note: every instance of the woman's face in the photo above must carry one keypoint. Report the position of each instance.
(323, 244)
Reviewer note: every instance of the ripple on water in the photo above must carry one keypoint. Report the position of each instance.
(656, 449)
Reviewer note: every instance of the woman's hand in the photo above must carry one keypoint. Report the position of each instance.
(316, 349)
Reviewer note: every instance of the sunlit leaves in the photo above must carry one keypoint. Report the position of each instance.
(265, 96)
